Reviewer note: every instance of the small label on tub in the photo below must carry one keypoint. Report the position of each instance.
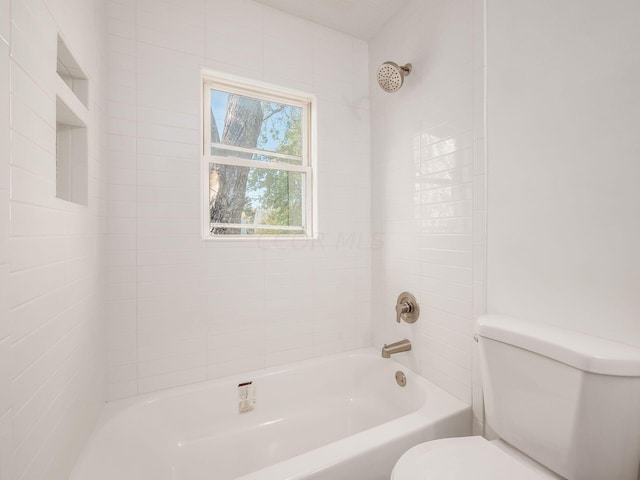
(246, 397)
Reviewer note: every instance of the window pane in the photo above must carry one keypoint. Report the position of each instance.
(251, 123)
(255, 201)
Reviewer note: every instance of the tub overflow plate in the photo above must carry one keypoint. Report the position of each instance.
(401, 378)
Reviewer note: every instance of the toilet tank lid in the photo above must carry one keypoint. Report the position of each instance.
(582, 351)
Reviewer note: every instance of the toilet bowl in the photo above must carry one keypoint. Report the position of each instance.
(563, 404)
(472, 458)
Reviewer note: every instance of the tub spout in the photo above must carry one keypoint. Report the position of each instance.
(397, 347)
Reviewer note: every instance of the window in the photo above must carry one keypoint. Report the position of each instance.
(257, 166)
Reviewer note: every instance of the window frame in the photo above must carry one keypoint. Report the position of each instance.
(267, 92)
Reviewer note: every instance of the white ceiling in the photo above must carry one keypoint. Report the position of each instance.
(359, 18)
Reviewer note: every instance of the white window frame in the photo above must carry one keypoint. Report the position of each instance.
(267, 92)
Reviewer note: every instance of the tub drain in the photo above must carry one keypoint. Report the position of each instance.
(401, 378)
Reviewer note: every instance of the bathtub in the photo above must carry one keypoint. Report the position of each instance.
(339, 417)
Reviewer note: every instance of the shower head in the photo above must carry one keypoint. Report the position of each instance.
(391, 76)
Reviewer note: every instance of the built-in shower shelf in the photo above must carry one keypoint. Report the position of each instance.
(78, 114)
(71, 74)
(72, 120)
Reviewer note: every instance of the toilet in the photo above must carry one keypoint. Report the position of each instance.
(564, 405)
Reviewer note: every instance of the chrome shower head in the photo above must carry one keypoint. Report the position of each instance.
(391, 76)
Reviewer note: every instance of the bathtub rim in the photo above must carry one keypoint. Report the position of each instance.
(438, 405)
(120, 405)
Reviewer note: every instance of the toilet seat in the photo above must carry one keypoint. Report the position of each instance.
(464, 458)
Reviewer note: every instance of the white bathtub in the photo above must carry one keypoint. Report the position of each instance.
(338, 417)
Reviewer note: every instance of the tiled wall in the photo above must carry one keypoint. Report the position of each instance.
(51, 325)
(428, 179)
(183, 310)
(6, 413)
(564, 148)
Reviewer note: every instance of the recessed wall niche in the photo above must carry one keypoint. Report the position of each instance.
(72, 99)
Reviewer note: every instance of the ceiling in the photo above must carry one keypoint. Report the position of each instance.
(358, 18)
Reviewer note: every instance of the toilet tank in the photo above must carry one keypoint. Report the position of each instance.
(568, 400)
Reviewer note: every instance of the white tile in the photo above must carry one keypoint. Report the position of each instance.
(5, 375)
(167, 365)
(121, 111)
(120, 93)
(235, 366)
(29, 188)
(30, 284)
(6, 446)
(31, 43)
(160, 78)
(173, 379)
(121, 76)
(168, 149)
(225, 43)
(281, 53)
(160, 116)
(4, 226)
(117, 44)
(152, 226)
(4, 117)
(5, 20)
(190, 13)
(121, 28)
(159, 132)
(124, 356)
(172, 347)
(183, 38)
(123, 374)
(37, 126)
(291, 355)
(32, 95)
(116, 391)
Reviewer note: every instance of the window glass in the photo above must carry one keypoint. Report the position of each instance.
(273, 201)
(242, 121)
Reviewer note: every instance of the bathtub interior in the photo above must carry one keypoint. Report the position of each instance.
(188, 434)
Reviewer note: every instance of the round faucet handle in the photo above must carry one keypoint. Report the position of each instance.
(407, 308)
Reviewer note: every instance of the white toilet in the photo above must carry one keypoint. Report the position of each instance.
(564, 405)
